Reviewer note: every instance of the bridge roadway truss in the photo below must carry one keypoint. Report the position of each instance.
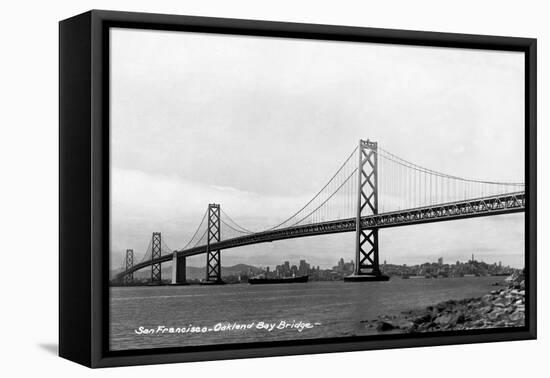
(477, 207)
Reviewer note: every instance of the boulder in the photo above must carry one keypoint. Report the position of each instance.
(501, 308)
(423, 319)
(445, 319)
(486, 310)
(500, 302)
(441, 306)
(405, 324)
(495, 314)
(487, 298)
(517, 317)
(384, 326)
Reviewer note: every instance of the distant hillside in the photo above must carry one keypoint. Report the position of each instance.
(194, 272)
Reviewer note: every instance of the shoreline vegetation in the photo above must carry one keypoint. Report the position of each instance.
(500, 308)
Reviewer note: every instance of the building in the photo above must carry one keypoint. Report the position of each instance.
(303, 268)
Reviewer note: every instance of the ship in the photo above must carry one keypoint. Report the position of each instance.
(264, 280)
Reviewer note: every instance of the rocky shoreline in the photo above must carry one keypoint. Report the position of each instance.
(500, 308)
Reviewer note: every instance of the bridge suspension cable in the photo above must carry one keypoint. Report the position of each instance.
(321, 192)
(400, 185)
(403, 185)
(238, 228)
(197, 232)
(201, 239)
(147, 255)
(165, 249)
(325, 201)
(384, 153)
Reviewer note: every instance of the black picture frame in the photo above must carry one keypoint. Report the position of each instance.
(84, 186)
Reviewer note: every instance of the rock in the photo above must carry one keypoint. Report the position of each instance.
(495, 314)
(501, 308)
(441, 306)
(422, 319)
(518, 316)
(444, 319)
(486, 309)
(500, 302)
(477, 323)
(405, 324)
(385, 326)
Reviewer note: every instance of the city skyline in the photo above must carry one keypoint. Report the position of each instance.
(241, 272)
(384, 262)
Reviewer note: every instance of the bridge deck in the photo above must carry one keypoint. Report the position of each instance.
(477, 207)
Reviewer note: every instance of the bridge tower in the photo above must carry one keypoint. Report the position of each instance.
(367, 267)
(156, 252)
(129, 278)
(213, 256)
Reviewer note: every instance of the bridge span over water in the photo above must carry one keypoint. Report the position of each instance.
(374, 191)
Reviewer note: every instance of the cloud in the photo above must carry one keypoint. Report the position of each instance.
(259, 125)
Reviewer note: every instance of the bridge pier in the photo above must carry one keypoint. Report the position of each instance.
(213, 256)
(179, 276)
(367, 267)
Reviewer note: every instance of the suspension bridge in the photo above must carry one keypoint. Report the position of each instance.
(371, 190)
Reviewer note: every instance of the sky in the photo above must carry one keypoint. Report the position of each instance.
(260, 124)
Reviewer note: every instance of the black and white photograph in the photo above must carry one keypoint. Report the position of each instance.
(290, 188)
(267, 189)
